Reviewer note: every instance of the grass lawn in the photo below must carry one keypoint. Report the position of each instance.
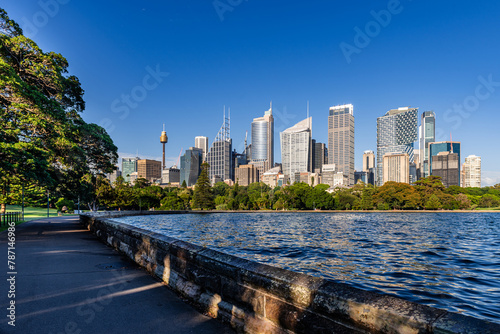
(31, 213)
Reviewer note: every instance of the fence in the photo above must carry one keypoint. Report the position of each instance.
(6, 218)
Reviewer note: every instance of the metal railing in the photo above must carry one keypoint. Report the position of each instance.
(6, 218)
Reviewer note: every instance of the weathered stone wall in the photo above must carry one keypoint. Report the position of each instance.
(257, 298)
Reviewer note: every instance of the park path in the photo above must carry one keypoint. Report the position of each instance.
(68, 282)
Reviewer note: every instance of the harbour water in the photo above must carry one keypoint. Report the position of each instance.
(445, 260)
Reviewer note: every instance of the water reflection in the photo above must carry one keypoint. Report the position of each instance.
(445, 260)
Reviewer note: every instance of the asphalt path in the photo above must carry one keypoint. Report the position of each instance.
(63, 280)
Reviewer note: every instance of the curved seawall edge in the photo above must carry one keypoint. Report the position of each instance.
(257, 298)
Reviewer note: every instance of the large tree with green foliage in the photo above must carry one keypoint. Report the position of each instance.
(203, 197)
(43, 138)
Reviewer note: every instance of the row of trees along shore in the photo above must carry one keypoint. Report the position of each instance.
(427, 194)
(46, 148)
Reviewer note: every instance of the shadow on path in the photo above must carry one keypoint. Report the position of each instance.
(67, 281)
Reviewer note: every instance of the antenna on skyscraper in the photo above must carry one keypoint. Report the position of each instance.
(451, 143)
(309, 120)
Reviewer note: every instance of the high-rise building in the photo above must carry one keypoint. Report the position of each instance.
(471, 172)
(114, 175)
(444, 146)
(271, 177)
(447, 166)
(368, 160)
(319, 156)
(191, 166)
(170, 175)
(246, 175)
(396, 133)
(341, 139)
(361, 176)
(427, 134)
(296, 148)
(369, 167)
(149, 169)
(201, 142)
(396, 167)
(263, 141)
(332, 177)
(129, 166)
(220, 156)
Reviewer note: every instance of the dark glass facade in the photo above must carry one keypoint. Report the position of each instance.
(191, 166)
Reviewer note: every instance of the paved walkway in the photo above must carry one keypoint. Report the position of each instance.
(69, 282)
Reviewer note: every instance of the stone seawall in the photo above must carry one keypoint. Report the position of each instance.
(257, 298)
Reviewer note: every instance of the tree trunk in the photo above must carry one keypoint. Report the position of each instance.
(4, 197)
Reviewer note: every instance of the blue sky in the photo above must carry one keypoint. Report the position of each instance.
(143, 64)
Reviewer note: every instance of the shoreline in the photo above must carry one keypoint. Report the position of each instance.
(343, 211)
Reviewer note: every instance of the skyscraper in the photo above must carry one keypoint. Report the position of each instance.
(319, 156)
(427, 133)
(149, 169)
(246, 175)
(201, 142)
(220, 156)
(443, 163)
(447, 166)
(191, 166)
(129, 166)
(341, 139)
(263, 141)
(296, 148)
(368, 160)
(396, 133)
(396, 167)
(471, 172)
(369, 166)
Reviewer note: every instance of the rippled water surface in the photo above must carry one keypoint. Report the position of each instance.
(446, 260)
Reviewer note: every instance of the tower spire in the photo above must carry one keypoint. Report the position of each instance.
(451, 143)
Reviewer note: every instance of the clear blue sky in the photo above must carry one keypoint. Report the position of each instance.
(435, 55)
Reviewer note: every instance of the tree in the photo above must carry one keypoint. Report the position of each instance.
(172, 202)
(489, 201)
(433, 203)
(367, 193)
(344, 200)
(43, 138)
(319, 198)
(463, 201)
(221, 189)
(203, 197)
(299, 193)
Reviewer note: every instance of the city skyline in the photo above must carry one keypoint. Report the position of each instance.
(179, 64)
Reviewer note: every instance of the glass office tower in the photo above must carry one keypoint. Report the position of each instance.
(396, 133)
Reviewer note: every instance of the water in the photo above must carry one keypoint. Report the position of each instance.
(445, 260)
